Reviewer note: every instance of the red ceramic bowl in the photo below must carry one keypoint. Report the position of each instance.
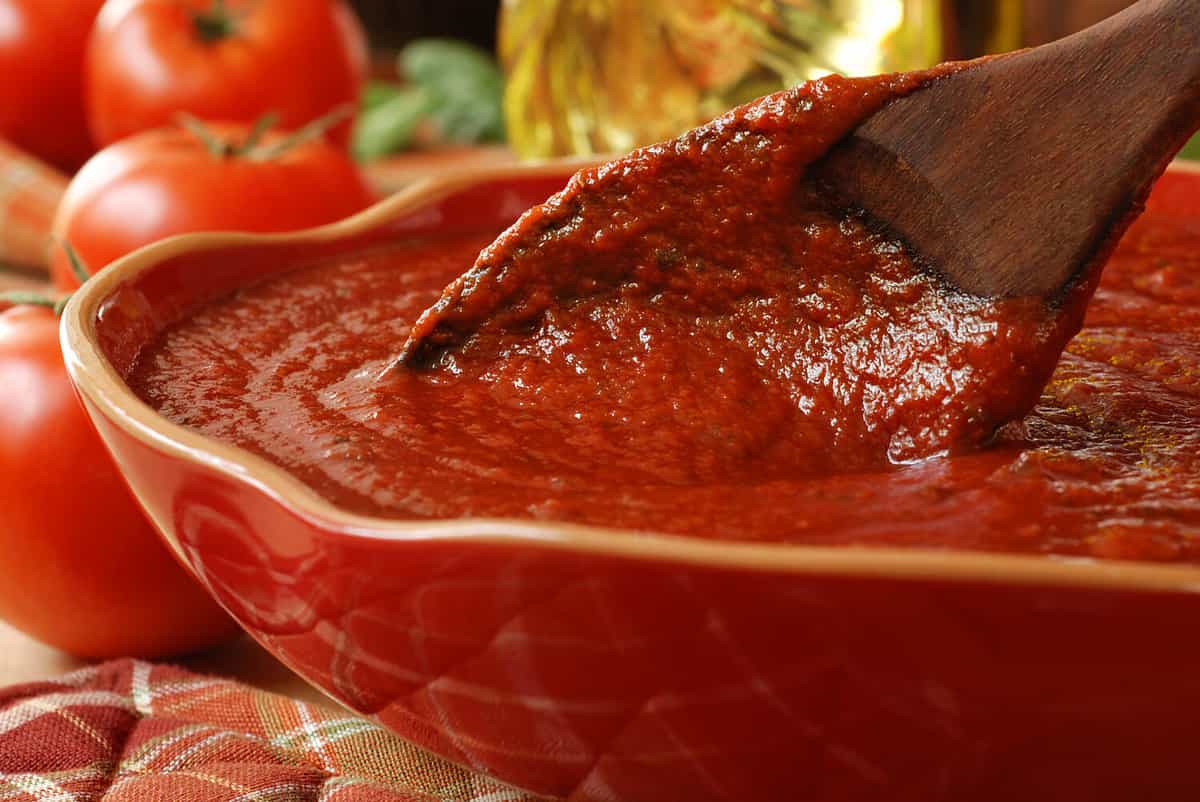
(582, 663)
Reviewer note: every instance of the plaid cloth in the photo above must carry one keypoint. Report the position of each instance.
(130, 731)
(29, 194)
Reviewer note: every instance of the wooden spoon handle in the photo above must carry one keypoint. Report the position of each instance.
(1149, 57)
(1016, 176)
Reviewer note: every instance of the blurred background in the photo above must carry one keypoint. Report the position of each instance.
(392, 23)
(600, 76)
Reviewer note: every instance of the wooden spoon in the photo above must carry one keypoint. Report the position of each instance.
(1012, 176)
(1018, 175)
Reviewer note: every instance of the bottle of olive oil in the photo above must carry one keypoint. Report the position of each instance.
(605, 76)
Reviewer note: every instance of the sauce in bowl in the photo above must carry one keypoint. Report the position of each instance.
(1107, 464)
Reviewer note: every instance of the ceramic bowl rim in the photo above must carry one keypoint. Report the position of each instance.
(98, 381)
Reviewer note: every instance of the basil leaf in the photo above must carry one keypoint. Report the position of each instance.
(376, 93)
(390, 124)
(465, 83)
(1191, 150)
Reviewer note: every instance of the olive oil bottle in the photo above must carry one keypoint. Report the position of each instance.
(603, 76)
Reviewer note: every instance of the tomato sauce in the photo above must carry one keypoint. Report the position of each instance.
(727, 358)
(706, 314)
(1107, 464)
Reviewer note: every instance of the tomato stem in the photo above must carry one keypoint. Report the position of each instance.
(25, 298)
(251, 147)
(306, 133)
(215, 24)
(218, 147)
(78, 267)
(261, 126)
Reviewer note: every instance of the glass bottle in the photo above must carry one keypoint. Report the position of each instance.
(605, 76)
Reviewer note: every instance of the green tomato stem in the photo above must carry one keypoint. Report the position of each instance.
(261, 126)
(215, 24)
(306, 133)
(24, 298)
(219, 148)
(252, 148)
(78, 266)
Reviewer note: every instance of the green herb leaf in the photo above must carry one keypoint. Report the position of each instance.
(389, 126)
(455, 86)
(376, 93)
(1191, 150)
(466, 86)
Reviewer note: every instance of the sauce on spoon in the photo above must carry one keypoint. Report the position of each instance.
(701, 307)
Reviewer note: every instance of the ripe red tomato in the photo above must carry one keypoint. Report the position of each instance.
(42, 43)
(80, 568)
(222, 60)
(169, 181)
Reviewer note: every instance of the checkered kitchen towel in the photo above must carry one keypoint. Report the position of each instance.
(29, 194)
(133, 732)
